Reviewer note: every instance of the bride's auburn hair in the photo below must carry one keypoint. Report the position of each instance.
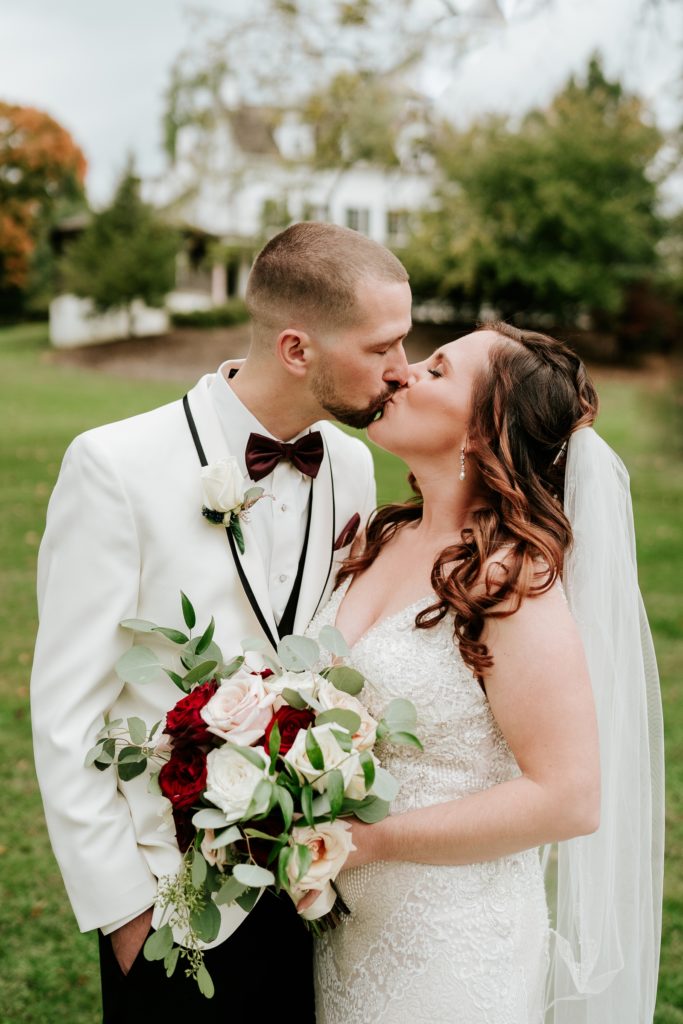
(532, 395)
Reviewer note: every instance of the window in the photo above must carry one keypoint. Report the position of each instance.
(358, 218)
(397, 227)
(315, 211)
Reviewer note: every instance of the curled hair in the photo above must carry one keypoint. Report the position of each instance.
(533, 394)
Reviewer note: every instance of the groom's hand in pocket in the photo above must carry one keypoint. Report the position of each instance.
(127, 941)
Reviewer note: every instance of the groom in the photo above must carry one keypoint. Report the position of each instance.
(125, 533)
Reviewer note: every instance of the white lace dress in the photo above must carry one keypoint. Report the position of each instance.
(465, 945)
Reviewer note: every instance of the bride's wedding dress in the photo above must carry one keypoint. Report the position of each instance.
(467, 945)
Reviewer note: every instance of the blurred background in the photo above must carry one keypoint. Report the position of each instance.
(521, 157)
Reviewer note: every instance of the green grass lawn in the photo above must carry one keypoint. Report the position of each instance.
(48, 972)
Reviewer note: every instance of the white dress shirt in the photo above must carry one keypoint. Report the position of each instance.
(279, 518)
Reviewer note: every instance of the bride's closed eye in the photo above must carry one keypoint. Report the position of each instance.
(435, 373)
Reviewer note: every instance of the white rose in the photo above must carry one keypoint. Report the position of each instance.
(304, 683)
(223, 485)
(231, 780)
(333, 757)
(240, 709)
(330, 697)
(211, 856)
(330, 844)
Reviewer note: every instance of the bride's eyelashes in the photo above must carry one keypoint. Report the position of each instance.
(435, 373)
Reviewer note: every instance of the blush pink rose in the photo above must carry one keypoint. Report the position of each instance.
(239, 710)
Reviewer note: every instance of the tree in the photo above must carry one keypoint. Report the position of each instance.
(126, 253)
(558, 214)
(42, 171)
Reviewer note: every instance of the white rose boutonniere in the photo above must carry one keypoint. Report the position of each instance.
(226, 501)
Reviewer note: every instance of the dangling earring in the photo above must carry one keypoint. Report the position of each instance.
(462, 463)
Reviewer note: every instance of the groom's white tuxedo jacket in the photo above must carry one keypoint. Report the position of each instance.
(124, 536)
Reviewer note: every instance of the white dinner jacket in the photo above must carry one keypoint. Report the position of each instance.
(124, 535)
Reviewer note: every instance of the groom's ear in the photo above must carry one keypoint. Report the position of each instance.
(294, 351)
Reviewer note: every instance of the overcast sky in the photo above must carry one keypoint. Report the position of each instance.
(101, 68)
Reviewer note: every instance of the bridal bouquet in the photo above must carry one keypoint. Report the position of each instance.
(260, 760)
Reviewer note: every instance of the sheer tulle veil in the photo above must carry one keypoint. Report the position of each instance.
(605, 889)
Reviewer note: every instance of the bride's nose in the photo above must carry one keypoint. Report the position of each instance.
(415, 372)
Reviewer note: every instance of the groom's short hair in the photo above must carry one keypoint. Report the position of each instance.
(311, 272)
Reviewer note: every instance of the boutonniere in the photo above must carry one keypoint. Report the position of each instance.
(226, 501)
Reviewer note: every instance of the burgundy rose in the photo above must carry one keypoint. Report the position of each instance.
(183, 779)
(184, 722)
(184, 829)
(289, 721)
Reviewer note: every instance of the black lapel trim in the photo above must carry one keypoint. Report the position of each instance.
(231, 540)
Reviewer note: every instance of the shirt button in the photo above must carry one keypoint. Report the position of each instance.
(283, 508)
(282, 578)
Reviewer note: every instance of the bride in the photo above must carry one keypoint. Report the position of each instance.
(532, 696)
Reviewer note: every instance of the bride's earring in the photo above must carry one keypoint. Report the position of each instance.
(462, 463)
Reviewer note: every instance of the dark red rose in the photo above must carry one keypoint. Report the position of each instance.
(184, 829)
(289, 721)
(183, 779)
(184, 722)
(266, 673)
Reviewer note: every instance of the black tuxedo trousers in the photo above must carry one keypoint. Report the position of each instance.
(265, 967)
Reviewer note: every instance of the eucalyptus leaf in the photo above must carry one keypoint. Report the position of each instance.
(347, 679)
(204, 669)
(176, 679)
(206, 637)
(284, 798)
(204, 981)
(249, 753)
(261, 799)
(253, 875)
(372, 810)
(171, 960)
(191, 659)
(253, 493)
(304, 859)
(333, 641)
(344, 739)
(137, 730)
(283, 860)
(313, 751)
(93, 754)
(408, 739)
(233, 666)
(400, 715)
(206, 921)
(334, 787)
(138, 625)
(294, 699)
(188, 611)
(307, 804)
(274, 746)
(229, 835)
(209, 817)
(131, 769)
(153, 731)
(248, 899)
(369, 771)
(298, 653)
(130, 754)
(174, 635)
(198, 873)
(159, 944)
(385, 785)
(153, 784)
(229, 891)
(254, 643)
(106, 757)
(321, 805)
(139, 665)
(349, 720)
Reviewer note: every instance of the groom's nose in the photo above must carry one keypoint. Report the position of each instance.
(397, 370)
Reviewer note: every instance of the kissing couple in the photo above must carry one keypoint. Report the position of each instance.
(518, 879)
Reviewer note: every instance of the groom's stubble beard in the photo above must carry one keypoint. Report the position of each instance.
(326, 394)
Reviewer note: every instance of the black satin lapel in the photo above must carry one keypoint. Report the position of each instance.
(231, 540)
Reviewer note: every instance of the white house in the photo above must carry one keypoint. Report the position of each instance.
(252, 177)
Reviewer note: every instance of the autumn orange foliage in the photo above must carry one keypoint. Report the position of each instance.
(39, 162)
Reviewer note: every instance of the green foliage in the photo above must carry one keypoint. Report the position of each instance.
(126, 253)
(232, 312)
(557, 214)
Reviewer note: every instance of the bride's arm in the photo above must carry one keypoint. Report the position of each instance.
(540, 694)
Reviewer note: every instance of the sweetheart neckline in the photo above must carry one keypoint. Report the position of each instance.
(378, 622)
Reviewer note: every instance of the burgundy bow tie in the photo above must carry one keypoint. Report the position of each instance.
(263, 454)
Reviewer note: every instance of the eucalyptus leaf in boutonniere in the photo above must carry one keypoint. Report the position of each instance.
(226, 501)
